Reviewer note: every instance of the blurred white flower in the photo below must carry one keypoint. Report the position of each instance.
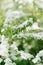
(13, 51)
(7, 5)
(40, 54)
(35, 26)
(4, 50)
(1, 60)
(38, 57)
(23, 24)
(4, 46)
(25, 55)
(13, 15)
(14, 47)
(39, 3)
(35, 60)
(2, 30)
(9, 62)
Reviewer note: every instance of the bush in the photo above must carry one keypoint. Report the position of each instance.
(21, 32)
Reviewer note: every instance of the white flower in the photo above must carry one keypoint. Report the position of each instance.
(2, 30)
(9, 62)
(14, 46)
(35, 26)
(16, 0)
(23, 24)
(31, 20)
(20, 1)
(12, 56)
(25, 55)
(39, 3)
(35, 60)
(7, 5)
(38, 57)
(4, 46)
(13, 51)
(20, 6)
(4, 50)
(40, 54)
(29, 1)
(11, 16)
(0, 38)
(1, 60)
